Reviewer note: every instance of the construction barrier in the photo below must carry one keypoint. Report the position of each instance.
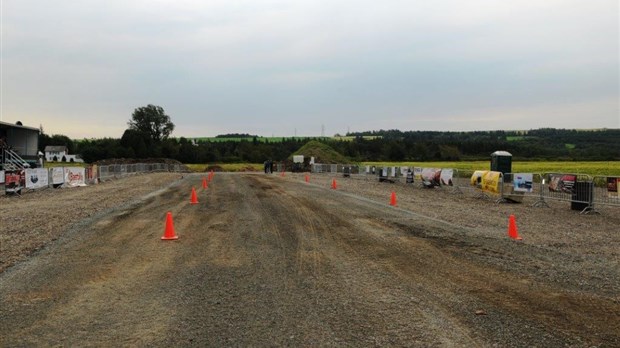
(74, 176)
(336, 168)
(606, 190)
(115, 171)
(582, 191)
(518, 186)
(36, 178)
(40, 178)
(569, 187)
(577, 189)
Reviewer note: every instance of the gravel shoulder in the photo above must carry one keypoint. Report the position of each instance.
(30, 222)
(269, 260)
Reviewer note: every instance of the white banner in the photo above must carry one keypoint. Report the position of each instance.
(36, 178)
(446, 177)
(75, 176)
(523, 182)
(431, 175)
(58, 175)
(1, 176)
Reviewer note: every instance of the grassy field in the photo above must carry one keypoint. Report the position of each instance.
(64, 164)
(278, 139)
(259, 139)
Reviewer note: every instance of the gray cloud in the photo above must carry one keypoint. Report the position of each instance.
(270, 67)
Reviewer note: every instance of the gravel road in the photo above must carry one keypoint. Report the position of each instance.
(274, 261)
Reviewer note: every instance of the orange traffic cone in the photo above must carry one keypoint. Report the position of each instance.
(204, 183)
(193, 199)
(512, 228)
(169, 231)
(307, 178)
(334, 185)
(393, 199)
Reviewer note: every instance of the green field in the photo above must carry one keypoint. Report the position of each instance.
(259, 139)
(64, 164)
(278, 139)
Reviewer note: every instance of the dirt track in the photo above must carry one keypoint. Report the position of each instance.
(266, 261)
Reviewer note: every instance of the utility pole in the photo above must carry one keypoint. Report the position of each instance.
(323, 131)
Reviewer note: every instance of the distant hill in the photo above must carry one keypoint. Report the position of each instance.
(236, 135)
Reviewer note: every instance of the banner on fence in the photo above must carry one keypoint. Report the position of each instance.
(13, 182)
(446, 177)
(58, 176)
(490, 181)
(2, 177)
(523, 182)
(613, 187)
(476, 178)
(74, 176)
(431, 175)
(92, 173)
(562, 182)
(36, 178)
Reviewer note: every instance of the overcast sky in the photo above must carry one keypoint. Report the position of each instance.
(80, 68)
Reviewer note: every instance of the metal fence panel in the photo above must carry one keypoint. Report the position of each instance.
(606, 190)
(517, 186)
(115, 171)
(567, 187)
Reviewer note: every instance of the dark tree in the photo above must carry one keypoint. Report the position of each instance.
(151, 120)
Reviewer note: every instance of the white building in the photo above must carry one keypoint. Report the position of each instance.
(60, 154)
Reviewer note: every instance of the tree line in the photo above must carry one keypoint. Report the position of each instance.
(148, 136)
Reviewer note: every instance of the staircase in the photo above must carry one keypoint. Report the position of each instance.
(11, 161)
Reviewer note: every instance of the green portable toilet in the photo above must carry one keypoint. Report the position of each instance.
(501, 161)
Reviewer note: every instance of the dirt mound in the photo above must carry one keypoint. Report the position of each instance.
(321, 152)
